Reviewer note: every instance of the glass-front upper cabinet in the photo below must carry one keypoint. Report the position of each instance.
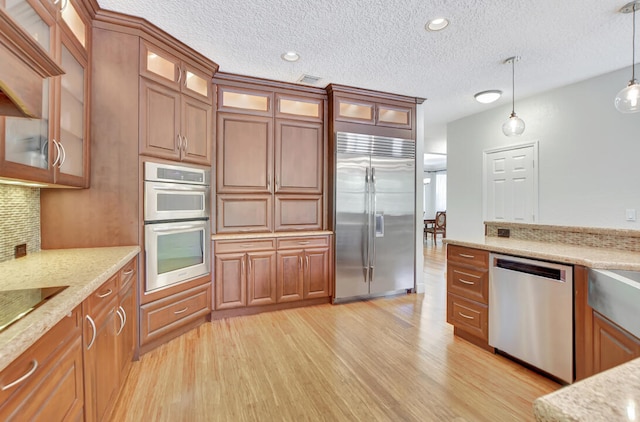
(26, 141)
(72, 118)
(169, 70)
(75, 23)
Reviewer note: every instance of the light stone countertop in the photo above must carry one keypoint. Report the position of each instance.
(602, 258)
(612, 395)
(268, 235)
(83, 270)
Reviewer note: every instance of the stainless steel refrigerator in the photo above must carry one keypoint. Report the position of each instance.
(374, 215)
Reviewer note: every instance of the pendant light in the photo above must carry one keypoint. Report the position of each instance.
(628, 99)
(514, 126)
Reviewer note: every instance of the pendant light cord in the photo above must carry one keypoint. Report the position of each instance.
(513, 85)
(633, 46)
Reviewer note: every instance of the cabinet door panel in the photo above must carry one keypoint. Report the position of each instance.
(231, 289)
(159, 120)
(55, 397)
(290, 276)
(611, 345)
(245, 153)
(261, 278)
(299, 212)
(244, 213)
(299, 158)
(196, 131)
(316, 273)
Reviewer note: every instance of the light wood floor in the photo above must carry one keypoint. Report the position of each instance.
(389, 359)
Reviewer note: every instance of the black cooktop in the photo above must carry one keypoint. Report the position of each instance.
(15, 304)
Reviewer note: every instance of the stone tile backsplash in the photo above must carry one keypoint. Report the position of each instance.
(621, 239)
(19, 219)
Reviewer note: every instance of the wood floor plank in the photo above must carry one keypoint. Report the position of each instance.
(388, 359)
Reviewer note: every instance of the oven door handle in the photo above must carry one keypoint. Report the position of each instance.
(182, 188)
(172, 229)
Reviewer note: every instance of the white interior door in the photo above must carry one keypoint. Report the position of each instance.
(511, 184)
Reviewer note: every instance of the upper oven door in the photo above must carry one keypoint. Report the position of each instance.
(174, 201)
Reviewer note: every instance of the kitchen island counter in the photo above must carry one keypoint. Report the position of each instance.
(83, 270)
(612, 395)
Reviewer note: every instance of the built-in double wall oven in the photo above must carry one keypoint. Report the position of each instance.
(176, 224)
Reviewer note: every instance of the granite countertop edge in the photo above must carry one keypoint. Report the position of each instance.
(591, 257)
(83, 270)
(232, 236)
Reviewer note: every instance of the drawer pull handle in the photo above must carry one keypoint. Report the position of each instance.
(464, 255)
(93, 328)
(247, 245)
(105, 294)
(465, 316)
(471, 283)
(34, 366)
(128, 272)
(466, 274)
(181, 311)
(304, 243)
(123, 319)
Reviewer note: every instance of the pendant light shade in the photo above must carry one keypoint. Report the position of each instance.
(514, 126)
(628, 99)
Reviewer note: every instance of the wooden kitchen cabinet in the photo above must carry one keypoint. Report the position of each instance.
(271, 140)
(54, 148)
(245, 273)
(46, 381)
(612, 345)
(166, 318)
(299, 156)
(468, 293)
(360, 110)
(174, 126)
(303, 268)
(176, 112)
(127, 321)
(101, 370)
(245, 153)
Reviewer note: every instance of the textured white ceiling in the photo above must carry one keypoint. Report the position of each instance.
(382, 44)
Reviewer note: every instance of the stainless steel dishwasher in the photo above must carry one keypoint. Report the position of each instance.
(531, 313)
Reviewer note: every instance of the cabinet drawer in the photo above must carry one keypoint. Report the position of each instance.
(225, 246)
(474, 257)
(469, 316)
(102, 296)
(128, 273)
(165, 315)
(35, 360)
(303, 242)
(469, 283)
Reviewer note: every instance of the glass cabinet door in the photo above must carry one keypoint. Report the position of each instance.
(72, 115)
(27, 140)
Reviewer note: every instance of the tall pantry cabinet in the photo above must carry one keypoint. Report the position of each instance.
(271, 247)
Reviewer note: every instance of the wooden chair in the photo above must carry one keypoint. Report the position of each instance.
(439, 227)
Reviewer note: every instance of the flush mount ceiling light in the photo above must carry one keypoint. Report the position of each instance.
(290, 56)
(437, 24)
(487, 97)
(514, 126)
(628, 99)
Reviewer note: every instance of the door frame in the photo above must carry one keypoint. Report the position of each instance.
(534, 200)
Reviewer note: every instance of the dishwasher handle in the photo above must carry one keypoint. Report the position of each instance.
(538, 270)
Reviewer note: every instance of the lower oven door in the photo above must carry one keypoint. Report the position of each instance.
(176, 252)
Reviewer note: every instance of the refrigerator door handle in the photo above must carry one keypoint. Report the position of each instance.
(374, 226)
(367, 213)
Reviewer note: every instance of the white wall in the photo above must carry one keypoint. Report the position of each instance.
(589, 157)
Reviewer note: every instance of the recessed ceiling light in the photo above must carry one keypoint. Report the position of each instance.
(486, 97)
(290, 56)
(437, 24)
